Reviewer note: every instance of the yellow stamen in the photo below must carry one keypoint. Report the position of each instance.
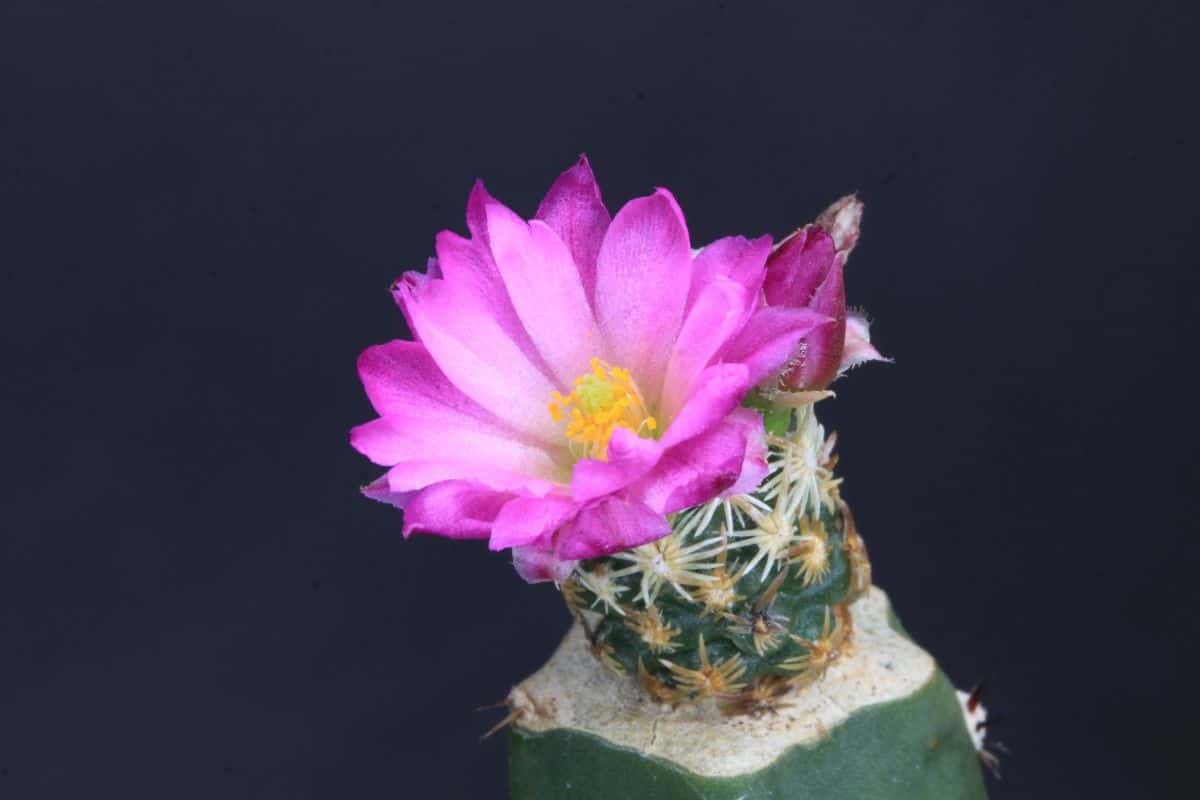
(602, 399)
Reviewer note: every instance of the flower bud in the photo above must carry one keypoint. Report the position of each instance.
(806, 271)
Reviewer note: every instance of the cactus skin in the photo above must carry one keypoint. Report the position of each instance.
(746, 598)
(911, 749)
(894, 730)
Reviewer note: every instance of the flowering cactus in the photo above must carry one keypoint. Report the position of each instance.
(634, 419)
(575, 379)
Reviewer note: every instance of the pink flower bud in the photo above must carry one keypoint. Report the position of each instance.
(806, 271)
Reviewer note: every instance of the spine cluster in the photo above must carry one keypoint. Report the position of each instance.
(748, 596)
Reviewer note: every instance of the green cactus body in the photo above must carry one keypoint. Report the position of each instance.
(745, 656)
(748, 595)
(883, 722)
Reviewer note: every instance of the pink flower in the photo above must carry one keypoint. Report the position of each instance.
(806, 271)
(574, 377)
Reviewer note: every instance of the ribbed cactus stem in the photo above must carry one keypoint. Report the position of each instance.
(745, 656)
(748, 595)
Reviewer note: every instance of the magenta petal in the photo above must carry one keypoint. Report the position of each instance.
(525, 520)
(411, 476)
(409, 284)
(574, 210)
(468, 267)
(466, 262)
(544, 286)
(477, 203)
(536, 565)
(629, 458)
(380, 491)
(379, 441)
(395, 439)
(456, 509)
(643, 272)
(425, 417)
(734, 257)
(718, 313)
(798, 266)
(433, 269)
(770, 339)
(695, 471)
(858, 347)
(843, 221)
(718, 390)
(477, 355)
(754, 461)
(608, 526)
(402, 378)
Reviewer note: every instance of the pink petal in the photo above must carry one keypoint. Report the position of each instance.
(629, 458)
(408, 284)
(719, 312)
(718, 390)
(734, 257)
(380, 491)
(478, 356)
(536, 565)
(477, 202)
(798, 266)
(525, 520)
(858, 348)
(770, 339)
(696, 471)
(608, 526)
(395, 439)
(456, 509)
(467, 265)
(467, 262)
(643, 272)
(544, 287)
(436, 430)
(574, 210)
(411, 476)
(843, 221)
(820, 353)
(402, 378)
(754, 462)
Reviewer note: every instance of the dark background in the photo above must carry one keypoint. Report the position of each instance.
(203, 205)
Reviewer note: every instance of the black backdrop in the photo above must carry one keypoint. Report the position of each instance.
(204, 203)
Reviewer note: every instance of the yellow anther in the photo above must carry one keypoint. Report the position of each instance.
(603, 399)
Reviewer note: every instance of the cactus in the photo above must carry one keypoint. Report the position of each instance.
(746, 656)
(882, 724)
(746, 598)
(632, 418)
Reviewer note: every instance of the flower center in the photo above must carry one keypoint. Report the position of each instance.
(602, 400)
